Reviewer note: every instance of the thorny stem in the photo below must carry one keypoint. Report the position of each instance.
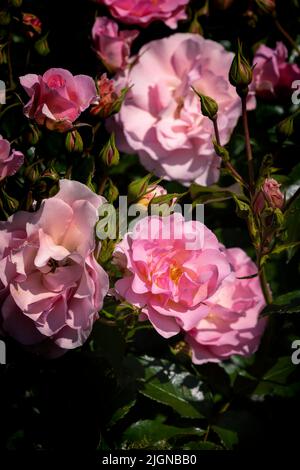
(248, 143)
(230, 167)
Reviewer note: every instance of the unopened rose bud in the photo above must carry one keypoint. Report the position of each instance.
(74, 143)
(32, 173)
(240, 73)
(10, 203)
(107, 97)
(266, 6)
(269, 196)
(41, 46)
(152, 191)
(33, 22)
(138, 188)
(110, 154)
(33, 135)
(196, 27)
(4, 18)
(285, 128)
(209, 107)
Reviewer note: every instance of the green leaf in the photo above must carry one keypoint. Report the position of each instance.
(228, 437)
(285, 304)
(201, 445)
(280, 371)
(166, 383)
(120, 413)
(214, 193)
(166, 198)
(152, 431)
(275, 380)
(242, 208)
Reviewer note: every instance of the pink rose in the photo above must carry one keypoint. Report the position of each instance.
(269, 195)
(10, 160)
(232, 325)
(171, 267)
(143, 12)
(112, 45)
(161, 118)
(51, 286)
(57, 98)
(273, 75)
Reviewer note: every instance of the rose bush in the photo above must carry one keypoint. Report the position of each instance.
(51, 284)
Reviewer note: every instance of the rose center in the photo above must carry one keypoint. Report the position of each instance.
(175, 274)
(56, 81)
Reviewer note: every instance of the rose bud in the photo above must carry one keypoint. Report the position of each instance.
(268, 196)
(209, 107)
(240, 74)
(152, 192)
(285, 128)
(33, 23)
(107, 97)
(74, 142)
(109, 153)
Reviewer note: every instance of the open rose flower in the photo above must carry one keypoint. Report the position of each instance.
(143, 12)
(273, 75)
(232, 325)
(57, 98)
(112, 45)
(10, 160)
(171, 267)
(161, 118)
(51, 286)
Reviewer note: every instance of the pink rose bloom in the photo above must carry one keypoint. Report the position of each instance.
(171, 267)
(57, 98)
(273, 75)
(161, 118)
(112, 45)
(51, 286)
(10, 160)
(143, 12)
(232, 325)
(269, 195)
